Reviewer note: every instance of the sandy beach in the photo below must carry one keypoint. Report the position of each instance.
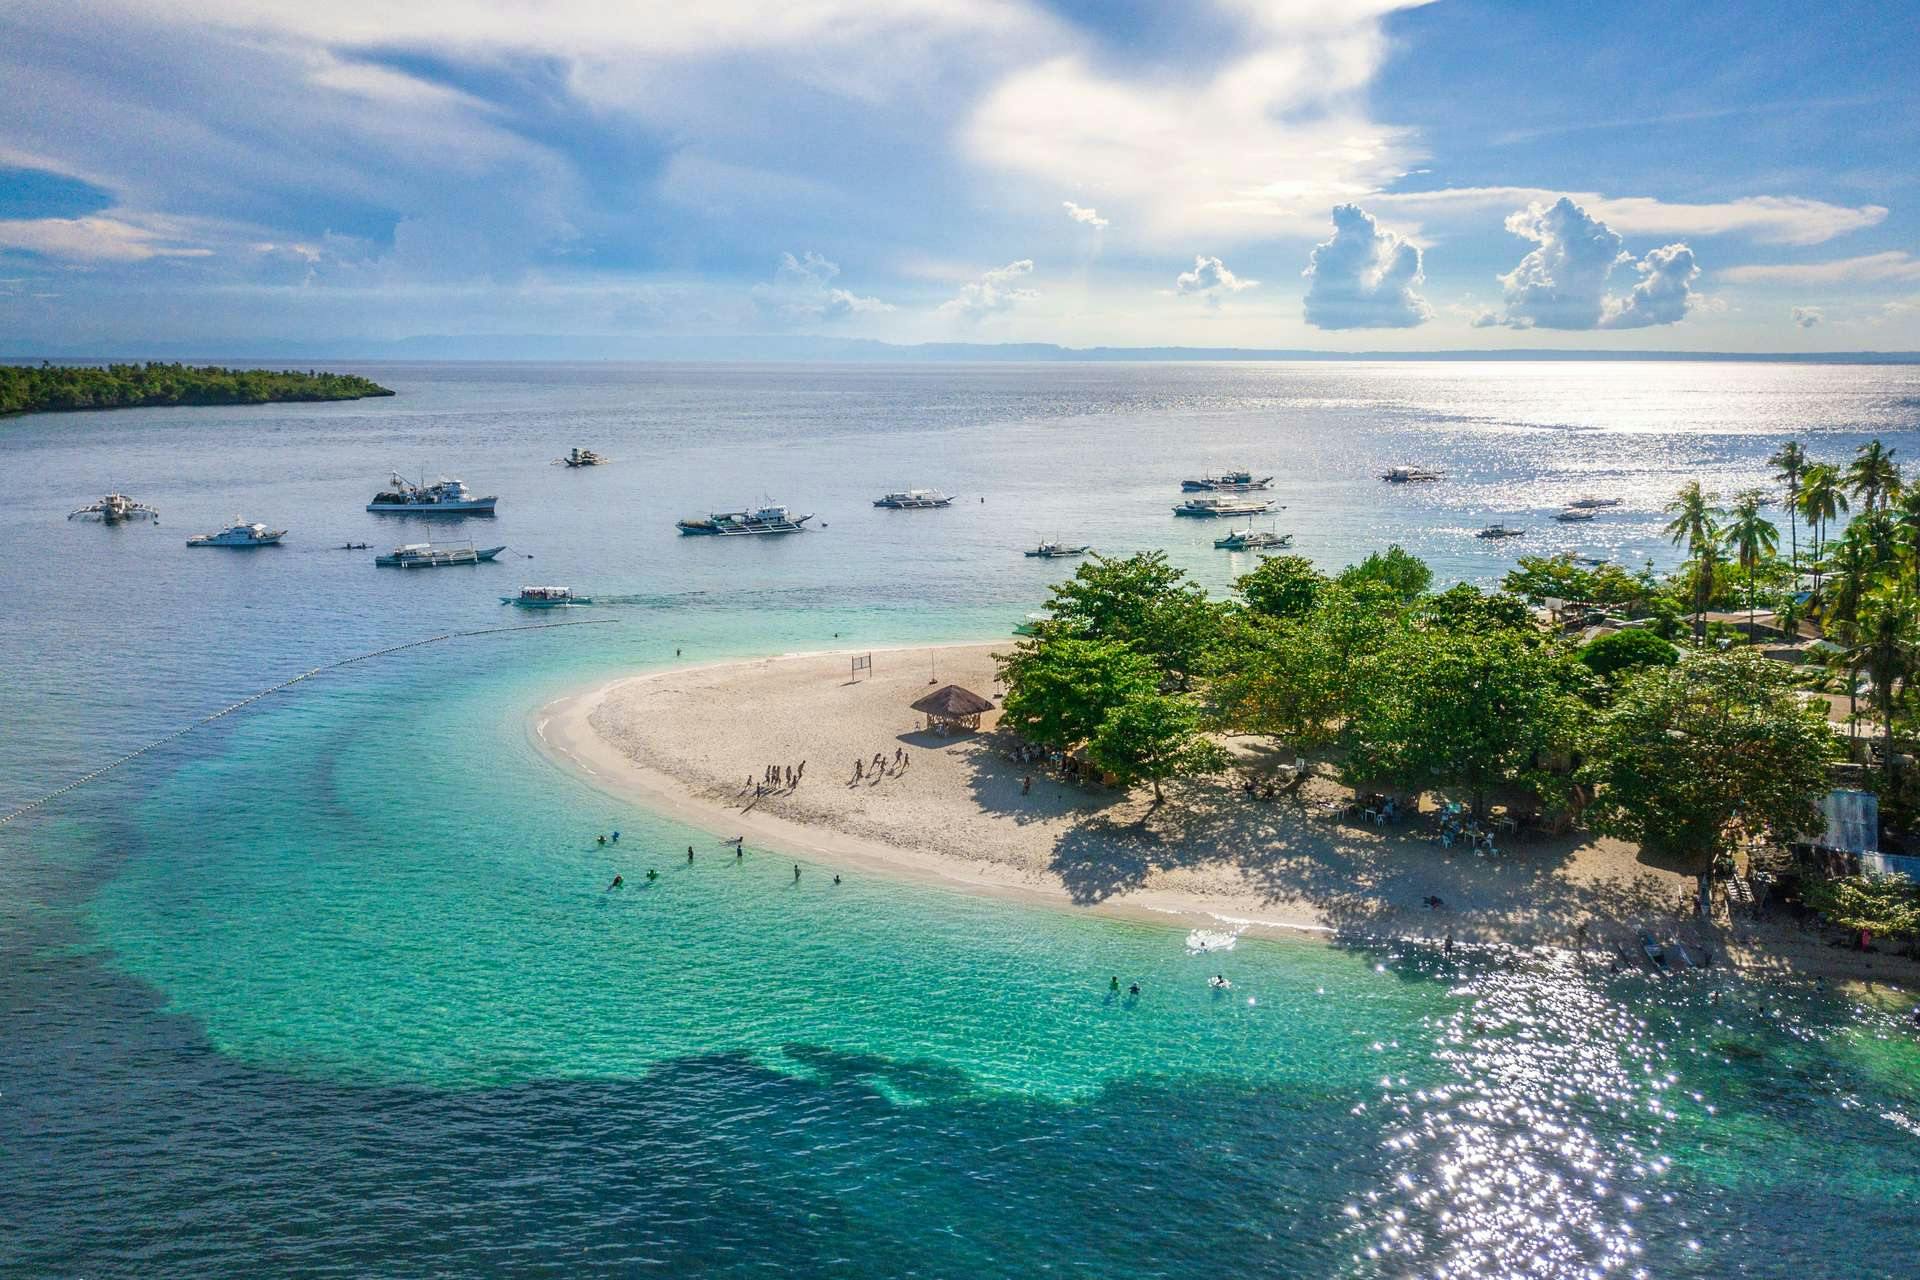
(693, 743)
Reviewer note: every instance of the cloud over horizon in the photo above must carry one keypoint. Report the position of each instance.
(993, 293)
(1562, 283)
(803, 292)
(1364, 277)
(1209, 279)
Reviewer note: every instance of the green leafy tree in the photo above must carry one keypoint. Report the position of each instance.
(1906, 526)
(1144, 602)
(1822, 498)
(1403, 576)
(1885, 651)
(1467, 608)
(1463, 709)
(1886, 906)
(1282, 587)
(53, 388)
(1624, 651)
(1060, 688)
(1150, 737)
(1691, 755)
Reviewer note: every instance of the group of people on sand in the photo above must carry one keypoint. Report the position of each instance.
(871, 771)
(776, 777)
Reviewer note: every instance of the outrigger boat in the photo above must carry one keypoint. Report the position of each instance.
(582, 458)
(424, 555)
(1411, 475)
(1499, 531)
(1252, 540)
(731, 524)
(914, 500)
(1231, 482)
(1057, 551)
(1209, 508)
(1588, 502)
(115, 508)
(545, 598)
(443, 497)
(1576, 515)
(1031, 625)
(239, 534)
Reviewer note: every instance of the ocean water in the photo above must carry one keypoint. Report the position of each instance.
(331, 986)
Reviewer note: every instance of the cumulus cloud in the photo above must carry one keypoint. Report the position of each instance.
(1895, 265)
(1562, 282)
(1807, 317)
(1090, 217)
(993, 292)
(1364, 277)
(1209, 279)
(803, 292)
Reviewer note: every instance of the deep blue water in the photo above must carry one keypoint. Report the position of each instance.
(329, 987)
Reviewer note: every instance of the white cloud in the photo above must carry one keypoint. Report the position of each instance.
(1364, 277)
(993, 292)
(1807, 317)
(1261, 145)
(1769, 219)
(1894, 265)
(1209, 279)
(803, 292)
(1562, 282)
(1091, 217)
(93, 239)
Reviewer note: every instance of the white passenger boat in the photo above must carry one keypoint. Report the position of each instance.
(914, 500)
(239, 534)
(1576, 515)
(425, 555)
(1211, 508)
(1253, 540)
(769, 519)
(1588, 501)
(1057, 551)
(443, 497)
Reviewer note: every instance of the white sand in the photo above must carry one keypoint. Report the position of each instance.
(690, 743)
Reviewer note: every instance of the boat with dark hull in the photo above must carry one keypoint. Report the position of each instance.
(1057, 551)
(1231, 482)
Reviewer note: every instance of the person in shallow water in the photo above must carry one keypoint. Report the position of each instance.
(836, 877)
(617, 882)
(1113, 983)
(616, 837)
(689, 855)
(652, 874)
(1133, 989)
(796, 873)
(602, 839)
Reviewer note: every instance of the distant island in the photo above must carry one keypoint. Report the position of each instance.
(50, 388)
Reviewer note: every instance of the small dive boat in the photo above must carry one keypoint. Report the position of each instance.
(1252, 540)
(239, 534)
(1411, 475)
(443, 497)
(582, 458)
(353, 546)
(545, 598)
(914, 500)
(1499, 531)
(1576, 515)
(1213, 508)
(1031, 625)
(115, 508)
(425, 555)
(732, 524)
(1231, 482)
(1057, 551)
(1587, 502)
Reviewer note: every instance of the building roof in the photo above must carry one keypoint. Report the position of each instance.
(952, 702)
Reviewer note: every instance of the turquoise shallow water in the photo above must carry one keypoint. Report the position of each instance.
(332, 986)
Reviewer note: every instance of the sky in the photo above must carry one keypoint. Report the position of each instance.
(1333, 175)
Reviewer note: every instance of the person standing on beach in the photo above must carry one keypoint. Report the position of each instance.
(859, 770)
(801, 772)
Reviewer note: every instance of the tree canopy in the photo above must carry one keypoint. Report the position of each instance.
(51, 388)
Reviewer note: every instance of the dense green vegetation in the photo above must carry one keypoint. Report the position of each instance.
(51, 388)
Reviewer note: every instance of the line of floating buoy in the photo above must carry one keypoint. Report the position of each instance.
(284, 685)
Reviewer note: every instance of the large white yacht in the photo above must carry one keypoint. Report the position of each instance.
(239, 534)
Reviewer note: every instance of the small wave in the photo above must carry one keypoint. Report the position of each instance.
(1211, 940)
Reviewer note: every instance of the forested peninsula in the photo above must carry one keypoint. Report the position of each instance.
(49, 388)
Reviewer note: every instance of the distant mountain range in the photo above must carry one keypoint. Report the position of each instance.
(798, 349)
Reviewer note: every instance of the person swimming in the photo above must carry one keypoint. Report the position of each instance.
(616, 837)
(602, 839)
(836, 877)
(1133, 989)
(1219, 982)
(1113, 983)
(617, 882)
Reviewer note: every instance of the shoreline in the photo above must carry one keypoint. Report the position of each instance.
(676, 742)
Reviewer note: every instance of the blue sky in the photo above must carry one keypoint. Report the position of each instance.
(1275, 173)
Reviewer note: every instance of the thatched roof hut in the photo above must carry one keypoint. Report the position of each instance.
(953, 707)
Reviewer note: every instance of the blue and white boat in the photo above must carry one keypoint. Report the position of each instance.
(443, 497)
(770, 519)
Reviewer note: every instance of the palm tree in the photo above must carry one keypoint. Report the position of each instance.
(1752, 538)
(1885, 651)
(1873, 476)
(1788, 461)
(1906, 521)
(1821, 499)
(1694, 527)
